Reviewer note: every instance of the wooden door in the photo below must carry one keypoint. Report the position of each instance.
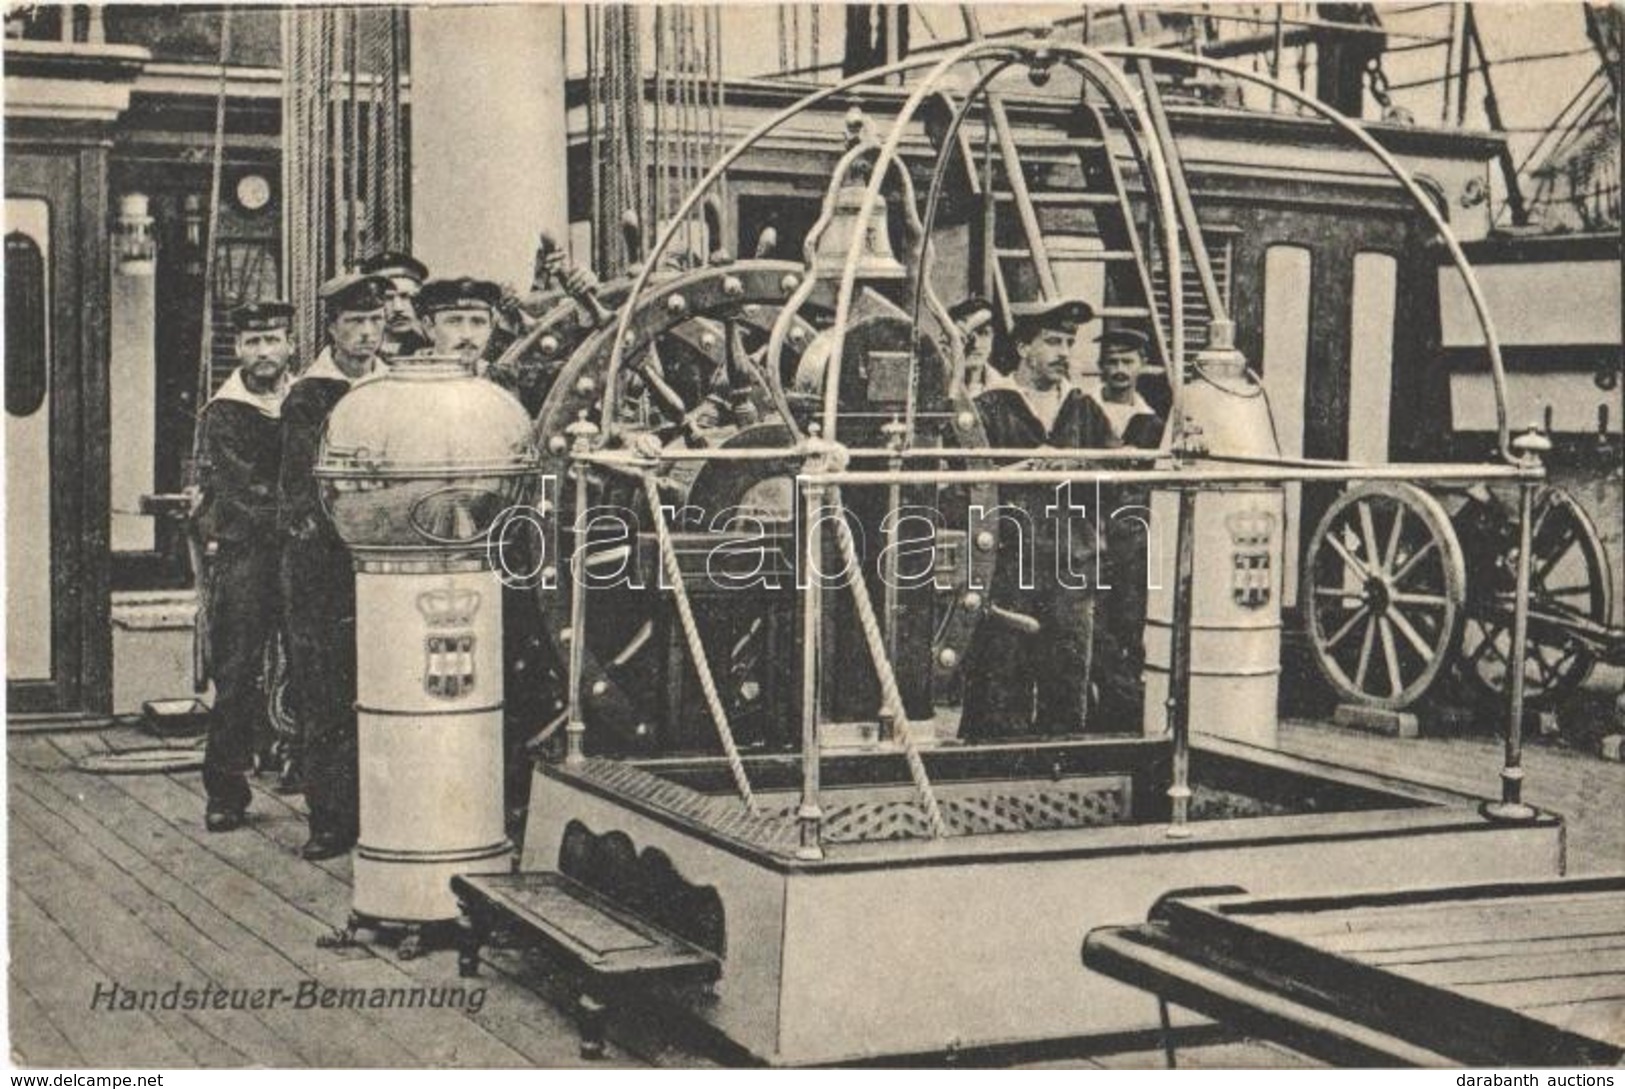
(59, 643)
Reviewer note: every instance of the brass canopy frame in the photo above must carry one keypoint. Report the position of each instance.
(824, 460)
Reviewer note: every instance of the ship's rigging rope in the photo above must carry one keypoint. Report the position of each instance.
(205, 371)
(615, 111)
(344, 154)
(688, 120)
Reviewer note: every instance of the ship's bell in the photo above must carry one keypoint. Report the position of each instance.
(875, 260)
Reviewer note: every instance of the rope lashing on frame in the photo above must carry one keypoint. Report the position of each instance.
(696, 648)
(891, 696)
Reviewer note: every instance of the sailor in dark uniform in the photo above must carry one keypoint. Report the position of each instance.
(973, 319)
(239, 449)
(459, 315)
(1123, 352)
(1027, 668)
(403, 335)
(1119, 655)
(317, 578)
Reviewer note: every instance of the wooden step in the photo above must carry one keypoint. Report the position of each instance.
(602, 943)
(585, 927)
(1077, 254)
(1064, 199)
(1122, 312)
(1060, 143)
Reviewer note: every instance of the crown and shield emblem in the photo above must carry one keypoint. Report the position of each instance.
(448, 647)
(1251, 534)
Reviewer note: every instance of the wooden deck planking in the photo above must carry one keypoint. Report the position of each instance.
(214, 946)
(253, 879)
(291, 924)
(36, 1039)
(533, 1017)
(1513, 928)
(1529, 965)
(1530, 995)
(1487, 949)
(1239, 1055)
(1601, 1019)
(1584, 789)
(540, 1033)
(358, 1036)
(58, 971)
(127, 951)
(242, 957)
(170, 807)
(1432, 914)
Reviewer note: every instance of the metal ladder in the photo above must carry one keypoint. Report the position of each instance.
(1062, 200)
(1054, 201)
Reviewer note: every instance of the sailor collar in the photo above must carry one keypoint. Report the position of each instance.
(268, 403)
(324, 367)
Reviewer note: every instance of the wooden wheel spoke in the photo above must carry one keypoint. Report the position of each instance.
(1491, 633)
(1543, 511)
(1339, 594)
(1415, 558)
(1365, 654)
(1549, 560)
(739, 360)
(1411, 635)
(654, 364)
(1368, 535)
(1394, 534)
(660, 396)
(639, 640)
(1390, 655)
(1343, 632)
(1569, 655)
(1552, 661)
(1423, 601)
(1359, 569)
(1537, 655)
(1547, 508)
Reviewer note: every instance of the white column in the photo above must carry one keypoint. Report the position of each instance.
(1371, 355)
(488, 138)
(133, 381)
(1288, 292)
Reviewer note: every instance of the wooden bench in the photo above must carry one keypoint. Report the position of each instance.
(1516, 974)
(606, 947)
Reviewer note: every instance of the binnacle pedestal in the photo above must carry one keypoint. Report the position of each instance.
(416, 469)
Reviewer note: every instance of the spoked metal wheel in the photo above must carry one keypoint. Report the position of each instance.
(1570, 587)
(532, 362)
(1384, 590)
(691, 380)
(694, 342)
